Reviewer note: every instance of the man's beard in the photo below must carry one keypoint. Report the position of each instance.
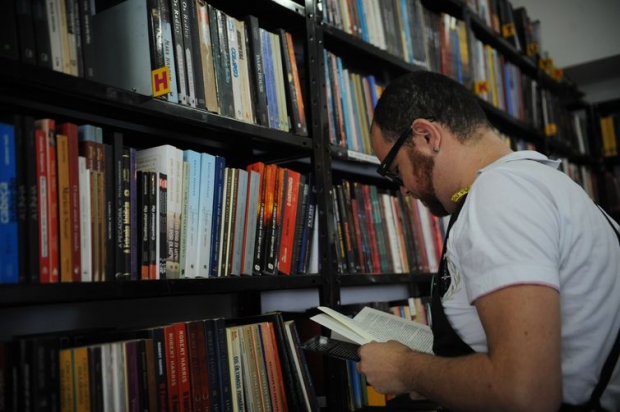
(423, 166)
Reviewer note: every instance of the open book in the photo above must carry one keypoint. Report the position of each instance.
(374, 325)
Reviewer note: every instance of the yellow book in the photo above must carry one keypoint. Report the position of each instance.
(64, 208)
(65, 359)
(82, 380)
(375, 398)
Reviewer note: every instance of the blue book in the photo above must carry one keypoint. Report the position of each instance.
(189, 234)
(362, 16)
(9, 253)
(345, 106)
(270, 79)
(220, 165)
(404, 11)
(508, 88)
(223, 370)
(205, 215)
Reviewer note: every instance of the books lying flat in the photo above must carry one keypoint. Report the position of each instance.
(374, 325)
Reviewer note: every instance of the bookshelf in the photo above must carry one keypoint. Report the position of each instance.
(146, 122)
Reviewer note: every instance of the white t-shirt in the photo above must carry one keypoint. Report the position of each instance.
(524, 222)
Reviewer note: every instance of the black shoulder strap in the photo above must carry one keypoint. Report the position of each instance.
(612, 358)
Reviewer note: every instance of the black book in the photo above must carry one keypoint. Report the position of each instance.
(153, 183)
(134, 269)
(302, 207)
(306, 245)
(116, 211)
(25, 30)
(95, 378)
(353, 251)
(219, 327)
(222, 71)
(125, 211)
(85, 16)
(32, 198)
(155, 33)
(41, 34)
(256, 70)
(191, 40)
(8, 31)
(332, 347)
(179, 55)
(163, 223)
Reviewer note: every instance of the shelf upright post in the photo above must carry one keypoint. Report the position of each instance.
(329, 293)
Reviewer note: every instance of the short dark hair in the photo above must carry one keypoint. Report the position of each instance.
(428, 95)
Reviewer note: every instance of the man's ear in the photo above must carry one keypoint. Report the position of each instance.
(427, 135)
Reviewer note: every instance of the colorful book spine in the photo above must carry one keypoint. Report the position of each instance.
(9, 253)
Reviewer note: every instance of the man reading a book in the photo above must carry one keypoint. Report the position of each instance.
(526, 302)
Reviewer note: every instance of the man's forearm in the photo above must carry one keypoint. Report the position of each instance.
(474, 383)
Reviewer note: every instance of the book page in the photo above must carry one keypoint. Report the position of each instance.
(335, 326)
(386, 326)
(349, 323)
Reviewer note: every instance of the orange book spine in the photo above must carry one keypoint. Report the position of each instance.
(71, 131)
(287, 232)
(64, 208)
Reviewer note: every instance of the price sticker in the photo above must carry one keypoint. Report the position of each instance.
(481, 87)
(508, 30)
(546, 64)
(551, 129)
(557, 74)
(532, 49)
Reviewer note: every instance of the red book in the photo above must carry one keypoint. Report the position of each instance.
(43, 206)
(172, 368)
(287, 230)
(48, 127)
(194, 364)
(376, 265)
(183, 370)
(71, 131)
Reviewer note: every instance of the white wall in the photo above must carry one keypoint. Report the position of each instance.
(576, 31)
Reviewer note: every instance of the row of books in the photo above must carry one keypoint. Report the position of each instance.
(384, 232)
(218, 364)
(582, 176)
(185, 52)
(351, 99)
(77, 209)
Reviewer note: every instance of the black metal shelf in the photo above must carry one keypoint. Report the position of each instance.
(349, 46)
(52, 93)
(383, 279)
(62, 293)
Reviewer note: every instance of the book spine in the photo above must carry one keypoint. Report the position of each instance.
(163, 224)
(218, 204)
(224, 373)
(177, 38)
(215, 381)
(111, 233)
(153, 182)
(206, 57)
(193, 354)
(132, 378)
(25, 30)
(133, 217)
(227, 104)
(168, 48)
(172, 360)
(9, 250)
(256, 70)
(191, 35)
(289, 219)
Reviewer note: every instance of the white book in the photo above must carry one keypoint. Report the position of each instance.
(233, 53)
(53, 23)
(240, 222)
(118, 376)
(375, 325)
(313, 264)
(85, 232)
(250, 222)
(107, 372)
(244, 75)
(233, 341)
(184, 206)
(191, 210)
(395, 253)
(205, 215)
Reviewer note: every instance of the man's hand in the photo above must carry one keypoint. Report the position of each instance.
(383, 364)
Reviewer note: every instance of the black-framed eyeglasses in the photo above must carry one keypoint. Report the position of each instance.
(384, 168)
